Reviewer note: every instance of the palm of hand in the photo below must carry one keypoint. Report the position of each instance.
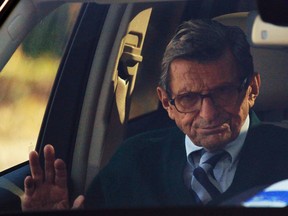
(46, 196)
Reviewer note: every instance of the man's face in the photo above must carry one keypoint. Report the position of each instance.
(210, 126)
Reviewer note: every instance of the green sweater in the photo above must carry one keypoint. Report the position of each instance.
(147, 171)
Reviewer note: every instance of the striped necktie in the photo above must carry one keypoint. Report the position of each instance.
(203, 181)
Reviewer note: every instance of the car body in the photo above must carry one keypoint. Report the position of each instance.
(102, 88)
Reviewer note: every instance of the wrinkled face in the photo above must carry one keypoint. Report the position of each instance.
(210, 126)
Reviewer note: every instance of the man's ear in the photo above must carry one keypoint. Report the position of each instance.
(163, 97)
(255, 87)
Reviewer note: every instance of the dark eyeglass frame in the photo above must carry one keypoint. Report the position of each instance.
(244, 85)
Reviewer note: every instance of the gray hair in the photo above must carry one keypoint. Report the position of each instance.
(204, 41)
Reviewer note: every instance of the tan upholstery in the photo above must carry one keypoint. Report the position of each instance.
(272, 64)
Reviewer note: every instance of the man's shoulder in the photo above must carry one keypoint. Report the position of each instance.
(148, 146)
(271, 129)
(154, 138)
(150, 142)
(268, 136)
(157, 135)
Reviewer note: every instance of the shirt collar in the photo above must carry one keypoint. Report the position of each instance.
(233, 148)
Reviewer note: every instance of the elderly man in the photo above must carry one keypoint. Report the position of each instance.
(219, 149)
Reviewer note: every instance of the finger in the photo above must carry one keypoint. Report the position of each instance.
(29, 187)
(49, 155)
(60, 173)
(78, 202)
(63, 205)
(36, 170)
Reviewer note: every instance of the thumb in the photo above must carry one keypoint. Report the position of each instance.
(78, 202)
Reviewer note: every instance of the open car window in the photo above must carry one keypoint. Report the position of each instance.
(26, 82)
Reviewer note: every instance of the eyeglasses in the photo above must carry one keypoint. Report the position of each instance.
(224, 96)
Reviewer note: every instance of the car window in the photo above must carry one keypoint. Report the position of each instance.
(26, 82)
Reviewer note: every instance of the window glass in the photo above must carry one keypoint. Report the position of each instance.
(26, 82)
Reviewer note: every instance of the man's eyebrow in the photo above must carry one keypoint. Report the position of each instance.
(185, 91)
(224, 84)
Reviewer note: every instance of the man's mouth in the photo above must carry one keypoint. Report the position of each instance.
(210, 130)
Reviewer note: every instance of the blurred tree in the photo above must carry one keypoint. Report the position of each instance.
(48, 36)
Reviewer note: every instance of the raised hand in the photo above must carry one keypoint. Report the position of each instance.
(47, 190)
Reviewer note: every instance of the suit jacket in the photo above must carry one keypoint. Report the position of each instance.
(147, 171)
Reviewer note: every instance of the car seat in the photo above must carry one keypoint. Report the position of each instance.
(271, 62)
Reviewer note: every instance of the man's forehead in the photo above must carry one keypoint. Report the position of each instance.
(194, 75)
(226, 63)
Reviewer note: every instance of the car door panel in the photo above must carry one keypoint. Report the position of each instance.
(113, 93)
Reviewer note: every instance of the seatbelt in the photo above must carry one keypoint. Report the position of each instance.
(11, 187)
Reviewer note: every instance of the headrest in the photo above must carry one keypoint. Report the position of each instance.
(270, 63)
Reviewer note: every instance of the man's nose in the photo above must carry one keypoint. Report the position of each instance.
(208, 110)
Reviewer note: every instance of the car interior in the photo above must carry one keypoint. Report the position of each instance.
(105, 88)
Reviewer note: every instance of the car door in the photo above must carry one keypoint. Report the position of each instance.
(90, 87)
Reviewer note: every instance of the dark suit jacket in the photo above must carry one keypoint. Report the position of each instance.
(147, 171)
